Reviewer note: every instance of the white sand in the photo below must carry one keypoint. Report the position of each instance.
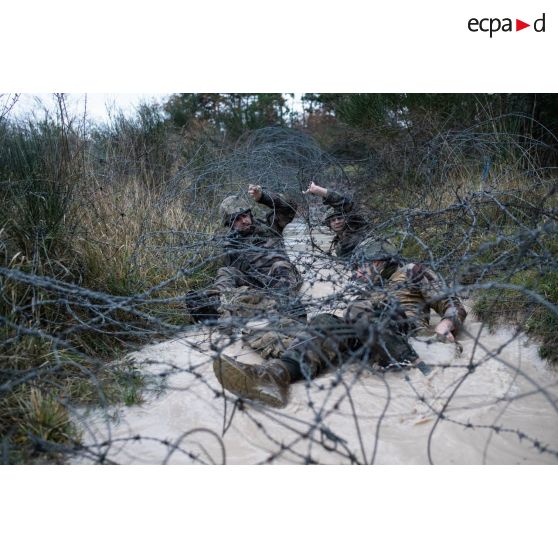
(365, 417)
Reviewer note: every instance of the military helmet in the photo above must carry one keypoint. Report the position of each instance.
(331, 213)
(372, 249)
(231, 207)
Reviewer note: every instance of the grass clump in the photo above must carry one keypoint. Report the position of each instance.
(37, 423)
(497, 306)
(35, 426)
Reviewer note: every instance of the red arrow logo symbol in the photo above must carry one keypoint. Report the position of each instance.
(519, 25)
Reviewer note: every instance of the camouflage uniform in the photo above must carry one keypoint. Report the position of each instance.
(418, 289)
(257, 258)
(395, 302)
(372, 335)
(356, 227)
(376, 324)
(255, 264)
(258, 279)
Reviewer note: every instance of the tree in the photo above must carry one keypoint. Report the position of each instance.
(231, 113)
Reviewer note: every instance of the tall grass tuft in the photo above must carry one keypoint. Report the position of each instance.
(104, 228)
(86, 221)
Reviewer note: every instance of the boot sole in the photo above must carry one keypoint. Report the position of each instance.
(234, 378)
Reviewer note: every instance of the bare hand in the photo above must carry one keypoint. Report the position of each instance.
(316, 190)
(255, 191)
(444, 329)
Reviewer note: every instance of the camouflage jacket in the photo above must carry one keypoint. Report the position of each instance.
(357, 228)
(258, 249)
(418, 290)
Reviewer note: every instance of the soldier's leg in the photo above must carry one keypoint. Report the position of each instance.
(202, 305)
(380, 329)
(325, 341)
(237, 296)
(272, 339)
(205, 304)
(228, 278)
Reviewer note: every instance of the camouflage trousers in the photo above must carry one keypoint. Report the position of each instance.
(237, 297)
(367, 333)
(273, 339)
(282, 275)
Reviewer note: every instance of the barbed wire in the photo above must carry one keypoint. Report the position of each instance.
(490, 238)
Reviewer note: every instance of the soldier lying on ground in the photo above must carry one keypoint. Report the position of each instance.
(394, 302)
(254, 251)
(254, 255)
(350, 228)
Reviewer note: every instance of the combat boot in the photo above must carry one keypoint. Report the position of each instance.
(267, 383)
(394, 349)
(202, 305)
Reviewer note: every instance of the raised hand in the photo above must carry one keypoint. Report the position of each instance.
(255, 191)
(316, 190)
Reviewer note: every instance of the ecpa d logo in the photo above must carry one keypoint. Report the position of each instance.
(494, 24)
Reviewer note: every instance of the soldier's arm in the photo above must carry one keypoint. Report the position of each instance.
(449, 307)
(330, 197)
(338, 201)
(223, 257)
(282, 213)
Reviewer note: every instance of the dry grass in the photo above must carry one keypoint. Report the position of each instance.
(120, 228)
(129, 240)
(126, 241)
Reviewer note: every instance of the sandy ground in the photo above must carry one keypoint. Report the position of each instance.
(498, 400)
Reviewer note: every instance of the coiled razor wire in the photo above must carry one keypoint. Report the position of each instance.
(476, 238)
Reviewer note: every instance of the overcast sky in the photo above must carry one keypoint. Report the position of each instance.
(97, 105)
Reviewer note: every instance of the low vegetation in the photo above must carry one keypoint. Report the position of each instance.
(105, 228)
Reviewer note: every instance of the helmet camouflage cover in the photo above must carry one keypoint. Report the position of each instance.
(371, 249)
(232, 206)
(331, 213)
